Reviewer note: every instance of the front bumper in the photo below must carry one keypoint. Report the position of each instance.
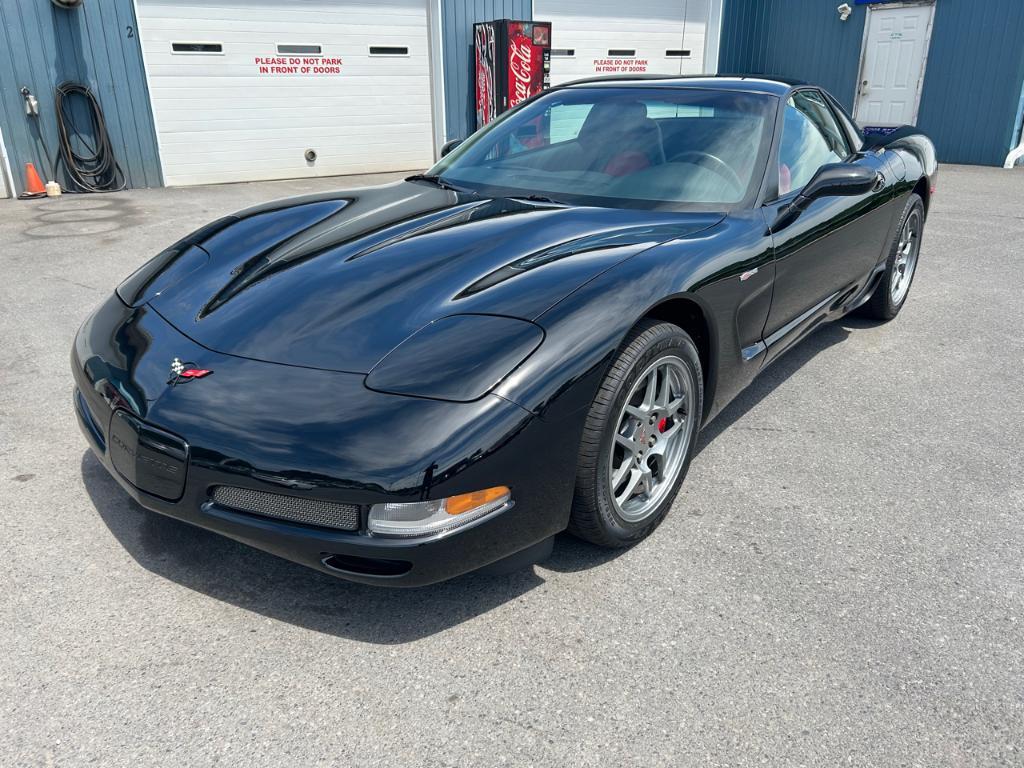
(315, 434)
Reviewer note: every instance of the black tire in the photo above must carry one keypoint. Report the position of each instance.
(594, 516)
(882, 305)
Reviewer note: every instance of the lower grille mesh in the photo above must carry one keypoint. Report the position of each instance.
(327, 514)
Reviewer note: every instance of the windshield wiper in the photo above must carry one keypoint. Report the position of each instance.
(435, 179)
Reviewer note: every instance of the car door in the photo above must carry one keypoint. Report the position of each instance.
(826, 253)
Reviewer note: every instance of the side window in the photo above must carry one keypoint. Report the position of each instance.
(852, 129)
(811, 137)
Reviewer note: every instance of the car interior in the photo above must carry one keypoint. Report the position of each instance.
(632, 149)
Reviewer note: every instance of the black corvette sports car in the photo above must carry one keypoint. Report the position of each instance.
(404, 383)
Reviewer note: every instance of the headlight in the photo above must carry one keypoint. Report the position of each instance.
(457, 358)
(422, 518)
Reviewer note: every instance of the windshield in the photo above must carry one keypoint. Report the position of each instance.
(622, 147)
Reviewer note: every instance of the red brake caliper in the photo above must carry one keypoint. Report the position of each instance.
(663, 424)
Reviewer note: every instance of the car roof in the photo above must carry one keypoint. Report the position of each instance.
(775, 86)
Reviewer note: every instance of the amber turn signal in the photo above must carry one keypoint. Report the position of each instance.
(466, 502)
(438, 516)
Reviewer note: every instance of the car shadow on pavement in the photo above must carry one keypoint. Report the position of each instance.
(572, 554)
(257, 581)
(260, 582)
(778, 372)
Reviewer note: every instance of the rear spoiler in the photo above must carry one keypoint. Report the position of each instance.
(880, 140)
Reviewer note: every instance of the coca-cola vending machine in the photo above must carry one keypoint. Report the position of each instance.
(513, 62)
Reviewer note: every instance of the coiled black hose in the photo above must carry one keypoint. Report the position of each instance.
(96, 169)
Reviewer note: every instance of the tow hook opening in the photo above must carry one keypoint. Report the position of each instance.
(366, 566)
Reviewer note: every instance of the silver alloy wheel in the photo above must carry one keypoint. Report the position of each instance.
(652, 437)
(906, 257)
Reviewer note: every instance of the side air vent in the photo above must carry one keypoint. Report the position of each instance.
(294, 509)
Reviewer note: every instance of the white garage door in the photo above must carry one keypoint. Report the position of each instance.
(612, 37)
(241, 89)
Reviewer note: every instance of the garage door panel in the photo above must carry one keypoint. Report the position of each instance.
(297, 85)
(238, 160)
(185, 131)
(316, 117)
(221, 118)
(655, 30)
(401, 69)
(239, 166)
(277, 156)
(233, 32)
(270, 139)
(241, 162)
(312, 103)
(234, 159)
(237, 175)
(411, 35)
(270, 11)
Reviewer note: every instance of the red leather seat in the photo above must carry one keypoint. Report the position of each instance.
(627, 162)
(620, 138)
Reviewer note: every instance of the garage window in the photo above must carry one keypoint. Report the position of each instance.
(198, 48)
(621, 53)
(680, 53)
(563, 52)
(300, 50)
(389, 50)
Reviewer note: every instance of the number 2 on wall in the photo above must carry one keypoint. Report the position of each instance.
(130, 30)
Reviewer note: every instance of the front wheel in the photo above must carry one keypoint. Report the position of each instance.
(891, 292)
(639, 436)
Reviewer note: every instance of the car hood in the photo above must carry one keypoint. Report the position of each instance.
(336, 281)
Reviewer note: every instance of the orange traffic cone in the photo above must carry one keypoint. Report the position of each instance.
(34, 186)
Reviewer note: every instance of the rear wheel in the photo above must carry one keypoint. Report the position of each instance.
(639, 436)
(891, 292)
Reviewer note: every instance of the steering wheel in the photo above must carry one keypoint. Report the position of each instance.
(717, 165)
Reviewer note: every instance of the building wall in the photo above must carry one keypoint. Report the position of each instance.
(97, 45)
(803, 39)
(972, 81)
(972, 86)
(457, 19)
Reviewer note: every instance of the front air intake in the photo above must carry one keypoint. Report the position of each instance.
(367, 566)
(295, 509)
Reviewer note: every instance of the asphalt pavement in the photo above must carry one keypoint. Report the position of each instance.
(841, 582)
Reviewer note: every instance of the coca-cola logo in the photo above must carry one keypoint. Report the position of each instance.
(520, 64)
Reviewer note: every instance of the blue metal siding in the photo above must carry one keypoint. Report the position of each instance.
(96, 44)
(801, 39)
(973, 76)
(457, 19)
(972, 81)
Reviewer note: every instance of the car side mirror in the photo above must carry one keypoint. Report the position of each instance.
(831, 180)
(840, 179)
(448, 146)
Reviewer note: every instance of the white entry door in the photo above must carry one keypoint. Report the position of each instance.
(893, 60)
